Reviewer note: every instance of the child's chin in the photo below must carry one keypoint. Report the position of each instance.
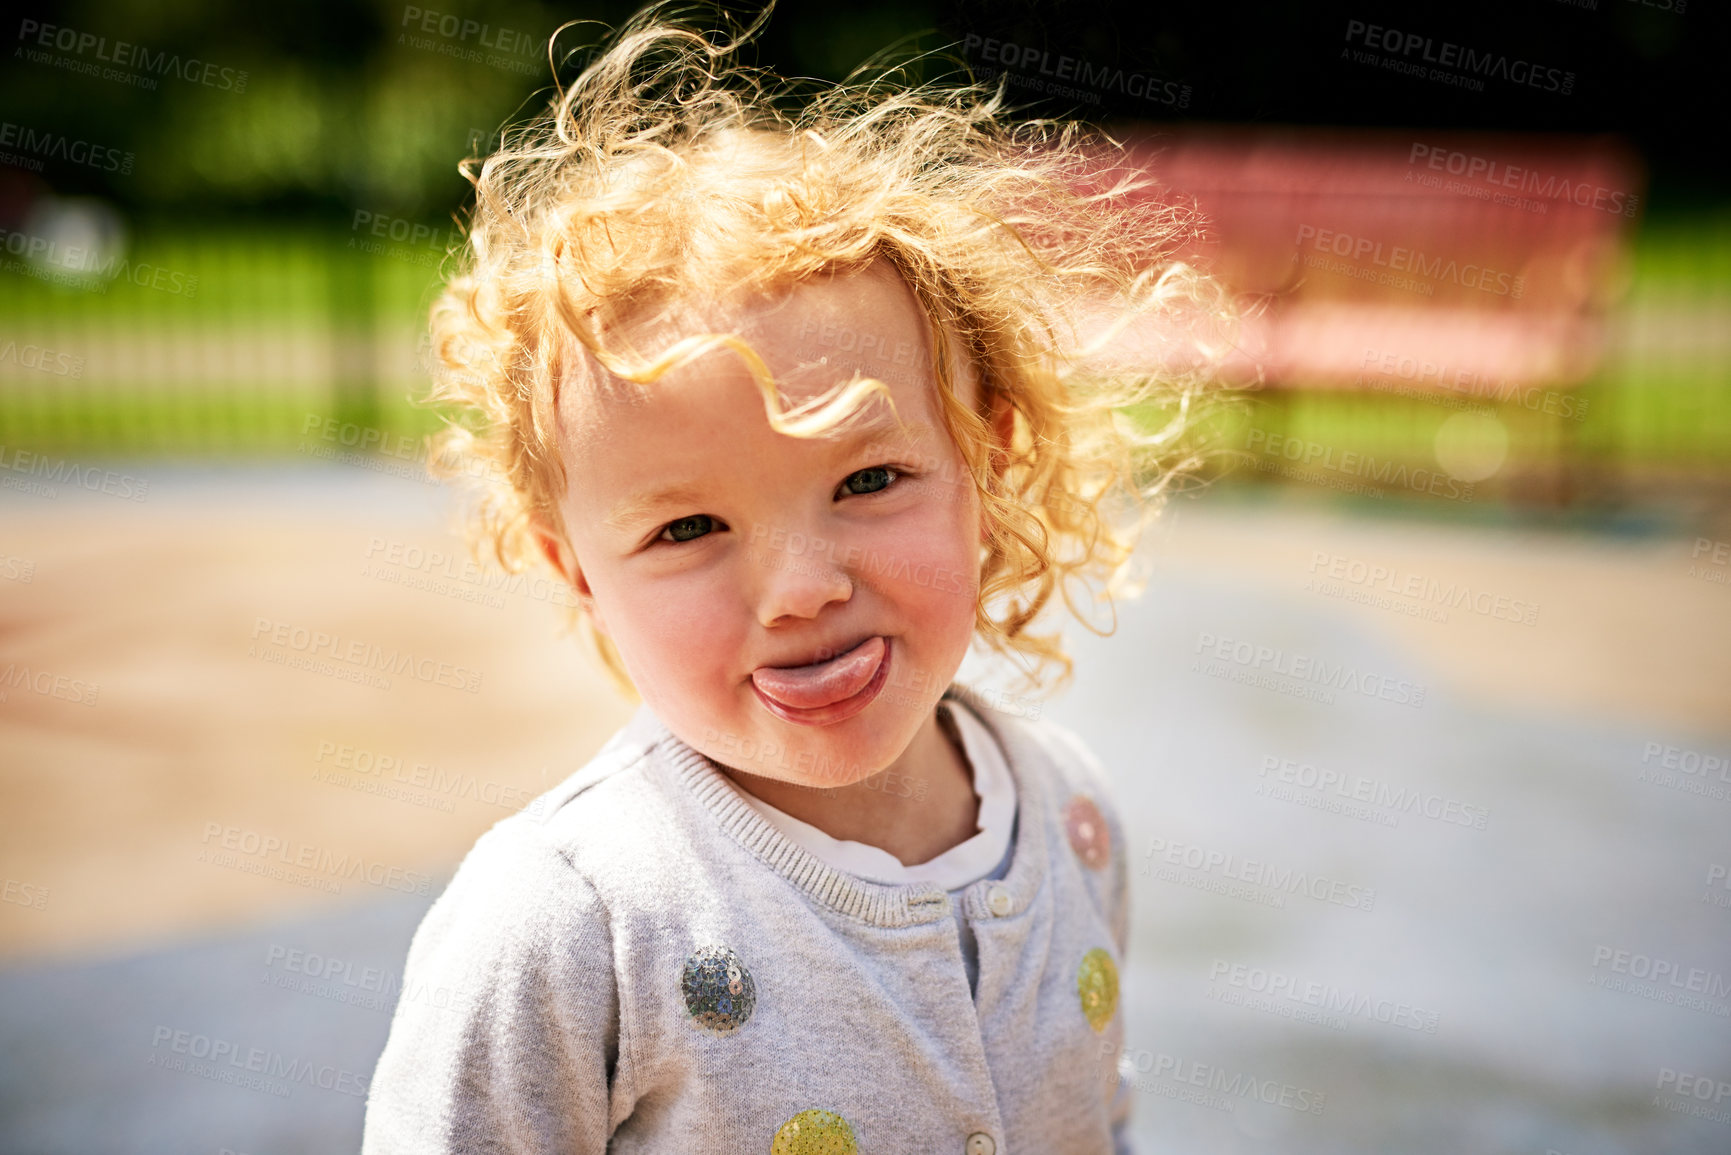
(833, 759)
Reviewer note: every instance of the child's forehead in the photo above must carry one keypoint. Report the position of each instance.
(822, 313)
(812, 335)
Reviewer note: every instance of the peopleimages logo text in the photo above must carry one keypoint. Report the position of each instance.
(1400, 259)
(1502, 174)
(1305, 668)
(137, 57)
(40, 143)
(1492, 65)
(1030, 59)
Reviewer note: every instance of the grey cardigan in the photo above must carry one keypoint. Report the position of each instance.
(640, 963)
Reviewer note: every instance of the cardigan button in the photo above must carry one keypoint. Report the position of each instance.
(999, 902)
(980, 1143)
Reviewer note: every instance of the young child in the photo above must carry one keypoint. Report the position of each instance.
(800, 404)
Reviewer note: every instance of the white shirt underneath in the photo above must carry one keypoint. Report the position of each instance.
(985, 855)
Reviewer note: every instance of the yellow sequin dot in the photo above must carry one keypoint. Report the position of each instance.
(1097, 983)
(815, 1132)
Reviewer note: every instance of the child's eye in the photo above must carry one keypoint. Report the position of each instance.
(688, 528)
(869, 480)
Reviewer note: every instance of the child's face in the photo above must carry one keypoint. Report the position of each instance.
(765, 551)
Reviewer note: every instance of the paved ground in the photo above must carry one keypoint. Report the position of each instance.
(1454, 1010)
(1489, 935)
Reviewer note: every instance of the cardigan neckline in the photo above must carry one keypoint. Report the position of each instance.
(881, 904)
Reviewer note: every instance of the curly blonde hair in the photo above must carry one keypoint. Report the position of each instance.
(667, 171)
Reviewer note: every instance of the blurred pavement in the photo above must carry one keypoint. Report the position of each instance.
(1466, 1014)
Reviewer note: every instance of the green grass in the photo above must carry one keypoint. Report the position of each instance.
(1670, 411)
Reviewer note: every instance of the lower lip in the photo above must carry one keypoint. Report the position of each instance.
(835, 711)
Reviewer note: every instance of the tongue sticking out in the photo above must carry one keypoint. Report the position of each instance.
(821, 683)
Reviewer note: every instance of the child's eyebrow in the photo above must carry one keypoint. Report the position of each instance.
(636, 509)
(641, 507)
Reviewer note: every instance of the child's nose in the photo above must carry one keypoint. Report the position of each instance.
(800, 583)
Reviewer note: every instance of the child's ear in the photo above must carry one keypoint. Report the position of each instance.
(564, 563)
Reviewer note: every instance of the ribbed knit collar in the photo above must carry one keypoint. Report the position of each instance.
(873, 902)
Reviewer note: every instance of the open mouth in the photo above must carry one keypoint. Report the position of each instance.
(824, 692)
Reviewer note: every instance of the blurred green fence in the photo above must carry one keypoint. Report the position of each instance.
(232, 345)
(214, 345)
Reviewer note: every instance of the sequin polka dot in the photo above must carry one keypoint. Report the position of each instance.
(719, 993)
(1097, 983)
(815, 1132)
(1089, 836)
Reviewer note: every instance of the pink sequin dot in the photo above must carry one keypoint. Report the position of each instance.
(1089, 837)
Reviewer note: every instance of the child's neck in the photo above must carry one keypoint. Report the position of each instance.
(912, 829)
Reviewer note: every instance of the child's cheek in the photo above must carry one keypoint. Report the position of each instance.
(676, 629)
(927, 571)
(935, 552)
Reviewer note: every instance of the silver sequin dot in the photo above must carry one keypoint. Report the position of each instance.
(719, 993)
